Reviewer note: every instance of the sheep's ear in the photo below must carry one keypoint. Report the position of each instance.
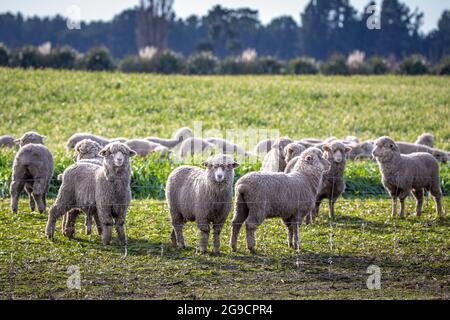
(205, 164)
(132, 153)
(104, 152)
(327, 148)
(17, 141)
(235, 165)
(290, 150)
(348, 149)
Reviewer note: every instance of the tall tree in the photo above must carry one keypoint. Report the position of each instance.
(152, 23)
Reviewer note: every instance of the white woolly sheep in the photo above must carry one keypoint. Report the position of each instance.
(103, 190)
(402, 174)
(274, 161)
(32, 170)
(203, 196)
(195, 146)
(263, 195)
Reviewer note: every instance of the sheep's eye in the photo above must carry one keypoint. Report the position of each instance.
(308, 158)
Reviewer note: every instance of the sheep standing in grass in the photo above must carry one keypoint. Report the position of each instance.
(274, 161)
(402, 174)
(204, 196)
(333, 184)
(361, 150)
(291, 197)
(142, 147)
(103, 190)
(32, 170)
(77, 137)
(408, 148)
(195, 146)
(181, 135)
(227, 147)
(426, 139)
(263, 147)
(7, 142)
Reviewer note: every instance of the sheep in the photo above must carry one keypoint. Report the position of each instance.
(404, 173)
(193, 146)
(7, 141)
(142, 147)
(426, 139)
(360, 150)
(408, 148)
(120, 139)
(179, 136)
(32, 170)
(263, 147)
(204, 196)
(262, 195)
(293, 150)
(333, 184)
(227, 147)
(87, 149)
(274, 161)
(77, 137)
(103, 190)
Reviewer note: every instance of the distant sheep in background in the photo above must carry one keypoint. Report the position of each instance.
(88, 149)
(77, 137)
(195, 146)
(274, 161)
(32, 170)
(293, 150)
(362, 150)
(179, 136)
(7, 141)
(227, 147)
(263, 147)
(408, 148)
(402, 174)
(142, 147)
(426, 139)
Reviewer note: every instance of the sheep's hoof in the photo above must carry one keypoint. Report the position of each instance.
(233, 247)
(252, 250)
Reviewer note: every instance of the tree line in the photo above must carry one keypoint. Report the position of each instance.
(326, 28)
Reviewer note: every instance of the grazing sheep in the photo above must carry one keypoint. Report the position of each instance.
(87, 150)
(263, 147)
(408, 148)
(7, 142)
(227, 147)
(103, 190)
(293, 150)
(77, 137)
(351, 139)
(142, 147)
(120, 139)
(193, 146)
(274, 160)
(426, 139)
(333, 184)
(179, 136)
(362, 150)
(204, 196)
(32, 170)
(404, 173)
(262, 195)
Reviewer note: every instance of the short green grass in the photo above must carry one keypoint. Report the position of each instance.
(413, 254)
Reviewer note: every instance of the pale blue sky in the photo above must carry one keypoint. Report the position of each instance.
(268, 9)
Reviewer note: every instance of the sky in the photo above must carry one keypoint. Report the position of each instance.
(268, 9)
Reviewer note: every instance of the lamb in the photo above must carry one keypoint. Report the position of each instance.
(7, 141)
(32, 170)
(361, 150)
(193, 146)
(142, 147)
(262, 195)
(404, 173)
(408, 148)
(227, 147)
(263, 147)
(293, 150)
(204, 196)
(179, 136)
(103, 190)
(274, 161)
(426, 139)
(333, 184)
(77, 137)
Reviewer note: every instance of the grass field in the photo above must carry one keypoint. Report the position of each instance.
(413, 254)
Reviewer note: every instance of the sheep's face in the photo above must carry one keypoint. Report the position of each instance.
(293, 150)
(336, 152)
(220, 169)
(281, 144)
(441, 156)
(312, 159)
(116, 155)
(30, 137)
(385, 149)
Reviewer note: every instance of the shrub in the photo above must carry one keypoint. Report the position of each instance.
(270, 65)
(169, 62)
(27, 57)
(4, 55)
(443, 68)
(99, 59)
(413, 65)
(303, 66)
(336, 65)
(63, 58)
(203, 63)
(378, 66)
(137, 65)
(237, 66)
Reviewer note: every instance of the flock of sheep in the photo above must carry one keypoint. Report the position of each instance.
(295, 178)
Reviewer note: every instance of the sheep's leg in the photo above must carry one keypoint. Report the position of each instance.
(39, 194)
(97, 221)
(29, 191)
(55, 212)
(217, 230)
(173, 237)
(394, 207)
(331, 203)
(64, 222)
(104, 214)
(290, 233)
(88, 223)
(120, 228)
(241, 214)
(204, 228)
(177, 230)
(15, 190)
(437, 195)
(418, 194)
(295, 232)
(71, 218)
(402, 206)
(251, 226)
